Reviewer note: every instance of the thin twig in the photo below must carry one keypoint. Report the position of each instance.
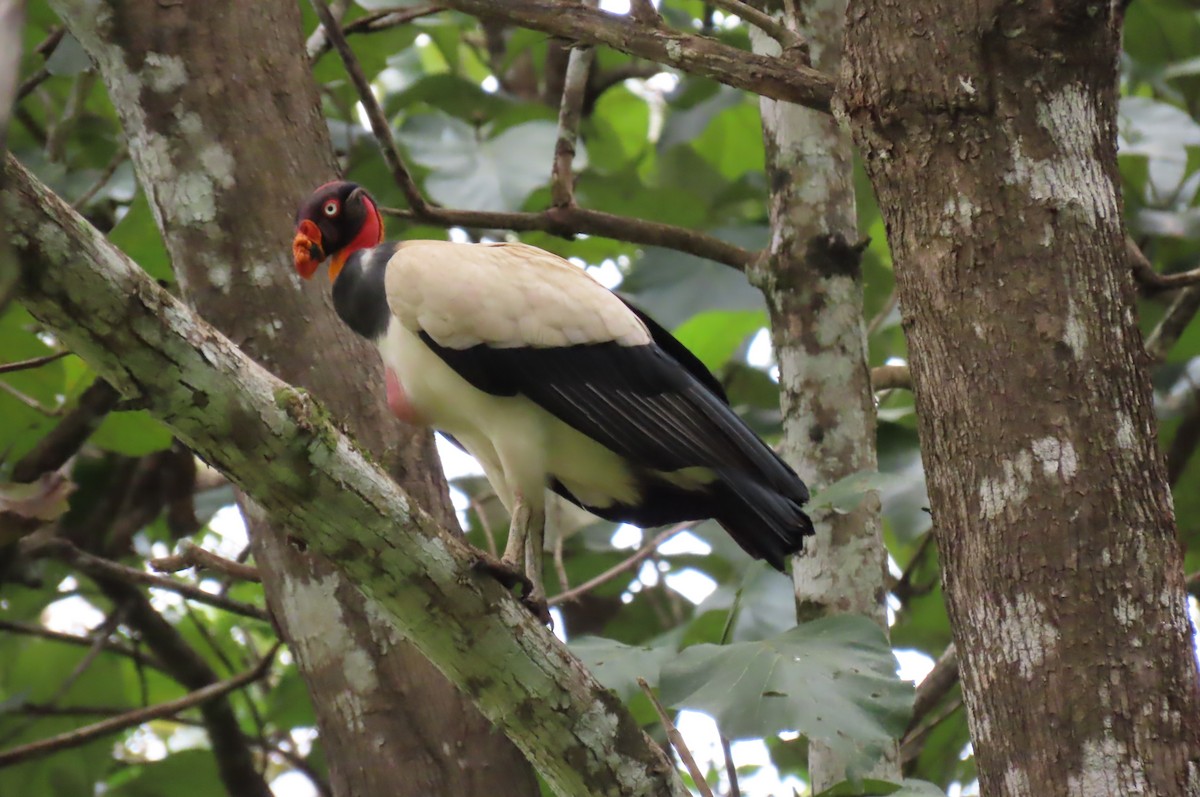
(566, 222)
(110, 169)
(379, 123)
(903, 589)
(1171, 326)
(910, 746)
(318, 42)
(562, 180)
(940, 680)
(36, 362)
(788, 39)
(883, 313)
(730, 769)
(1144, 271)
(677, 741)
(131, 719)
(623, 567)
(100, 635)
(109, 646)
(90, 563)
(192, 555)
(1186, 439)
(29, 401)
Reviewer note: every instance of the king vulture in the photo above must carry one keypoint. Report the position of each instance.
(550, 380)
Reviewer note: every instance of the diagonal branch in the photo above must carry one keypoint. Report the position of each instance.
(277, 444)
(379, 123)
(776, 78)
(132, 719)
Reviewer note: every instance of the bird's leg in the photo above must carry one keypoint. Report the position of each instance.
(535, 543)
(514, 549)
(514, 568)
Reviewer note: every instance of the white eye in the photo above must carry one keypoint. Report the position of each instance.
(331, 208)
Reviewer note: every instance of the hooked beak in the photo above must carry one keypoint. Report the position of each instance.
(307, 251)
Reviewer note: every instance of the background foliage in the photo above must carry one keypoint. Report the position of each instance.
(478, 124)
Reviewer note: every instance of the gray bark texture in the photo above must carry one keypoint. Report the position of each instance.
(226, 133)
(813, 284)
(989, 133)
(280, 446)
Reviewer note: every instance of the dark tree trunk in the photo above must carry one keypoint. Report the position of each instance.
(989, 133)
(226, 133)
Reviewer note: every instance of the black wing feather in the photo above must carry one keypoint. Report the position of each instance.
(637, 401)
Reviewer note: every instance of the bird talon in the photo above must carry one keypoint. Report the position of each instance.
(539, 609)
(507, 574)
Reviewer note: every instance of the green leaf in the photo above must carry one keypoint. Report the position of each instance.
(134, 434)
(618, 666)
(715, 336)
(847, 493)
(674, 286)
(833, 679)
(472, 171)
(870, 787)
(137, 236)
(186, 773)
(68, 58)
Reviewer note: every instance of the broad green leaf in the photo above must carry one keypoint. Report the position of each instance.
(715, 335)
(833, 679)
(673, 286)
(68, 58)
(132, 433)
(847, 493)
(618, 666)
(469, 170)
(185, 773)
(137, 236)
(870, 787)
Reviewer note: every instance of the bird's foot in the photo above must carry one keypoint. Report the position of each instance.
(510, 576)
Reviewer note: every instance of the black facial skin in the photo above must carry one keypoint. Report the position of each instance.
(339, 230)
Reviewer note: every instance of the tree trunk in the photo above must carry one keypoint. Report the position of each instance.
(989, 134)
(226, 133)
(813, 285)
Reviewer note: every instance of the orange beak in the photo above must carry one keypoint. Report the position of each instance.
(306, 249)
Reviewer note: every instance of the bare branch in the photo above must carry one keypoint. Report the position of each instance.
(642, 554)
(379, 123)
(791, 42)
(562, 181)
(1171, 326)
(891, 377)
(940, 680)
(131, 719)
(1144, 271)
(64, 440)
(566, 222)
(677, 741)
(192, 555)
(95, 565)
(109, 646)
(730, 770)
(318, 42)
(776, 78)
(36, 362)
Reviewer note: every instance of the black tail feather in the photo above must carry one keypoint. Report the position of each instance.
(765, 523)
